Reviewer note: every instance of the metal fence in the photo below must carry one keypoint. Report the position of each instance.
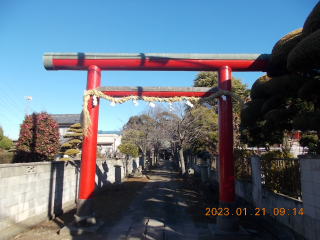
(282, 175)
(242, 167)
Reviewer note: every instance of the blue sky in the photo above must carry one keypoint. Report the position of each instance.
(30, 28)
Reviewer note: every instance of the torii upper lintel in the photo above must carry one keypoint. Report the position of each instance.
(155, 61)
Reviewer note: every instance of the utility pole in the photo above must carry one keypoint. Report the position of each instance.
(28, 98)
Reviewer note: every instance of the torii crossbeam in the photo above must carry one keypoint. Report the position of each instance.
(161, 92)
(94, 63)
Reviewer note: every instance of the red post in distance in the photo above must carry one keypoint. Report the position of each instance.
(88, 156)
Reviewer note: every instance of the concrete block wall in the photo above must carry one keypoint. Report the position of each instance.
(272, 202)
(135, 163)
(306, 225)
(214, 173)
(310, 187)
(196, 168)
(28, 190)
(299, 226)
(193, 162)
(244, 190)
(105, 173)
(256, 181)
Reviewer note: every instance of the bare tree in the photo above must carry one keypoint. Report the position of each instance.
(158, 136)
(183, 125)
(177, 124)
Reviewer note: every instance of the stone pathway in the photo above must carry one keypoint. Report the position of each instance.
(158, 212)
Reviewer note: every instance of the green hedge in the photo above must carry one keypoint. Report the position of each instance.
(5, 143)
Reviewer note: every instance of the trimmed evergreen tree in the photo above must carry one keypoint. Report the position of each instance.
(74, 145)
(129, 149)
(290, 92)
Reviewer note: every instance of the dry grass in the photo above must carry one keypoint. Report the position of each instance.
(6, 157)
(108, 207)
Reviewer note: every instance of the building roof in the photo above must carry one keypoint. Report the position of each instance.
(109, 132)
(66, 118)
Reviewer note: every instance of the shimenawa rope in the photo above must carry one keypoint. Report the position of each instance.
(85, 116)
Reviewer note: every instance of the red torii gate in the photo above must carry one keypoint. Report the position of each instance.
(94, 63)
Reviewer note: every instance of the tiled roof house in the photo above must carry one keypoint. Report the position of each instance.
(65, 121)
(107, 141)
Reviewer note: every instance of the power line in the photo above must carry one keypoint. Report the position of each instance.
(12, 125)
(14, 114)
(18, 97)
(6, 101)
(9, 128)
(5, 129)
(15, 109)
(12, 100)
(11, 134)
(12, 90)
(10, 120)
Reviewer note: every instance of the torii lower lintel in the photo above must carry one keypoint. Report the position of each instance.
(158, 91)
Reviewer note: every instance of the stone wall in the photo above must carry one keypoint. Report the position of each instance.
(193, 162)
(306, 225)
(44, 189)
(244, 190)
(297, 226)
(310, 187)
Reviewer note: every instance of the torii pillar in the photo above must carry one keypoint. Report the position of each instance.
(84, 215)
(227, 222)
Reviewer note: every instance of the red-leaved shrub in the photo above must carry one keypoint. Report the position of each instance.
(38, 139)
